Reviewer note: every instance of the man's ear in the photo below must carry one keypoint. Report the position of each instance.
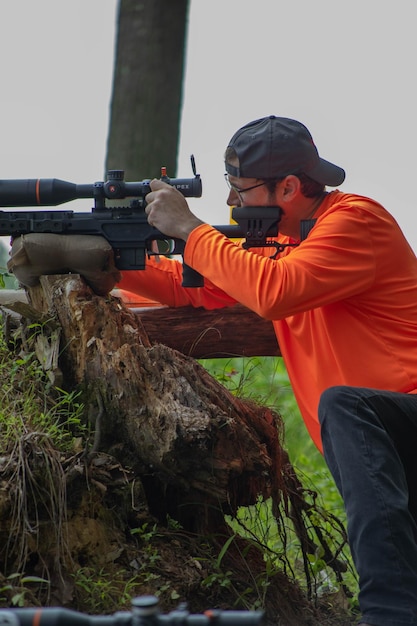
(290, 187)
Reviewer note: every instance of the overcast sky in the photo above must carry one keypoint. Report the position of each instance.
(345, 69)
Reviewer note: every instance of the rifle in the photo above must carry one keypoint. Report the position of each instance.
(144, 613)
(125, 228)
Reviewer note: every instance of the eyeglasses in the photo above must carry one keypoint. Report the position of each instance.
(236, 189)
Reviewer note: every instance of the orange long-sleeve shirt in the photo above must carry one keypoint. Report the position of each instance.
(343, 303)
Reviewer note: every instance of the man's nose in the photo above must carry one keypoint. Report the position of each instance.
(233, 198)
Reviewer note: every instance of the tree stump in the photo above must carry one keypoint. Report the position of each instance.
(200, 451)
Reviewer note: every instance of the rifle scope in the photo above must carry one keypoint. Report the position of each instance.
(144, 613)
(52, 191)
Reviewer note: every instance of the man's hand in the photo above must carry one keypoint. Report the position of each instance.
(168, 211)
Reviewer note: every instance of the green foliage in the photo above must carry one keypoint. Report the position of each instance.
(7, 280)
(17, 587)
(145, 532)
(30, 403)
(103, 591)
(220, 577)
(148, 570)
(265, 381)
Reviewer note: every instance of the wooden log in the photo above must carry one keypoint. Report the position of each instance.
(227, 332)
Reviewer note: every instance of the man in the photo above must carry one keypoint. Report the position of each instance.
(344, 307)
(343, 302)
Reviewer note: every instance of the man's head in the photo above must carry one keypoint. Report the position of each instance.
(274, 162)
(275, 147)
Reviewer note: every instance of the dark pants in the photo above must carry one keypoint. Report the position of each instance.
(370, 445)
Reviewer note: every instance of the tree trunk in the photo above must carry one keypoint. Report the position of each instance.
(147, 87)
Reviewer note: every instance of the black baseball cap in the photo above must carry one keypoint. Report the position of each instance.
(275, 147)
